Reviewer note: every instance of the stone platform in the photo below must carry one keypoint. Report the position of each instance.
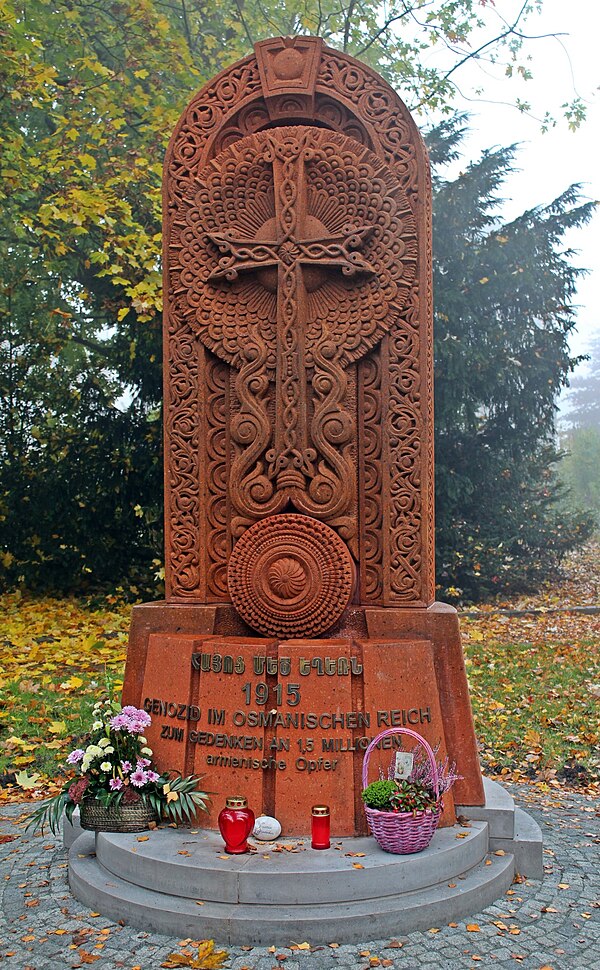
(182, 883)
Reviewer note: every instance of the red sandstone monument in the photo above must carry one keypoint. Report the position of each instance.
(299, 618)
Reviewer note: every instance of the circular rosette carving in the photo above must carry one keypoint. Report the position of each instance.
(290, 576)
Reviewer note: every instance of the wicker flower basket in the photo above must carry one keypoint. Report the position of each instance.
(96, 817)
(403, 832)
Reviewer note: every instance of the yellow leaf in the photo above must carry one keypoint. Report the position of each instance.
(87, 160)
(26, 781)
(472, 928)
(74, 682)
(172, 796)
(57, 727)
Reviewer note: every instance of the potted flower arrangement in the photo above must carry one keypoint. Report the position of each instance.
(115, 784)
(403, 813)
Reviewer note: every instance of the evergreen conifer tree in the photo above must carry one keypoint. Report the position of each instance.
(503, 297)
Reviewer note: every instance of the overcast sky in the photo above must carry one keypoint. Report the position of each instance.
(548, 163)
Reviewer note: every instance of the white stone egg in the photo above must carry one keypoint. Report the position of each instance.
(266, 828)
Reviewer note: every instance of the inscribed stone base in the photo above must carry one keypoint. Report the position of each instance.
(286, 723)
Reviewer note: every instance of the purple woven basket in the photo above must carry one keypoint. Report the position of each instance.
(403, 832)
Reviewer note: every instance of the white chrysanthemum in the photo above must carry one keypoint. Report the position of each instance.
(85, 764)
(104, 742)
(146, 750)
(106, 766)
(93, 751)
(97, 725)
(142, 739)
(109, 749)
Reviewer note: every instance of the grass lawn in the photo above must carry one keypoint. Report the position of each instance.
(535, 682)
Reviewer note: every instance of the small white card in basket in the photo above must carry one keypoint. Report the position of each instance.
(404, 764)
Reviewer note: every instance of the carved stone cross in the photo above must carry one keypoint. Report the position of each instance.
(291, 255)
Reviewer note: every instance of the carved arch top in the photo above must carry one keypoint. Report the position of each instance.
(345, 95)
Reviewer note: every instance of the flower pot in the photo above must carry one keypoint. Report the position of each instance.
(403, 832)
(97, 817)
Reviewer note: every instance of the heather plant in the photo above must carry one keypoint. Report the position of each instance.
(418, 792)
(421, 769)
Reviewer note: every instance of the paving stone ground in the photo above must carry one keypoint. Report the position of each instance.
(551, 924)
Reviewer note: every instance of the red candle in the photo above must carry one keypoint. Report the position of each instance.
(236, 822)
(320, 827)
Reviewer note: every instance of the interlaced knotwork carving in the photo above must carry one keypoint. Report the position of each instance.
(405, 433)
(203, 120)
(182, 507)
(292, 326)
(426, 346)
(217, 538)
(371, 432)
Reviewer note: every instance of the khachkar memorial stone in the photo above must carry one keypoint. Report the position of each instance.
(299, 618)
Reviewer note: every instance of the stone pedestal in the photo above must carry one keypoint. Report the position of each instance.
(273, 896)
(286, 722)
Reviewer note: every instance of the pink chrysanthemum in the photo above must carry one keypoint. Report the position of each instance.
(120, 722)
(139, 778)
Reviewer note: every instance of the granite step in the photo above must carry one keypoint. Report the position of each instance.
(279, 921)
(182, 863)
(527, 846)
(498, 810)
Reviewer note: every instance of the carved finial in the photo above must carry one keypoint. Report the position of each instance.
(289, 66)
